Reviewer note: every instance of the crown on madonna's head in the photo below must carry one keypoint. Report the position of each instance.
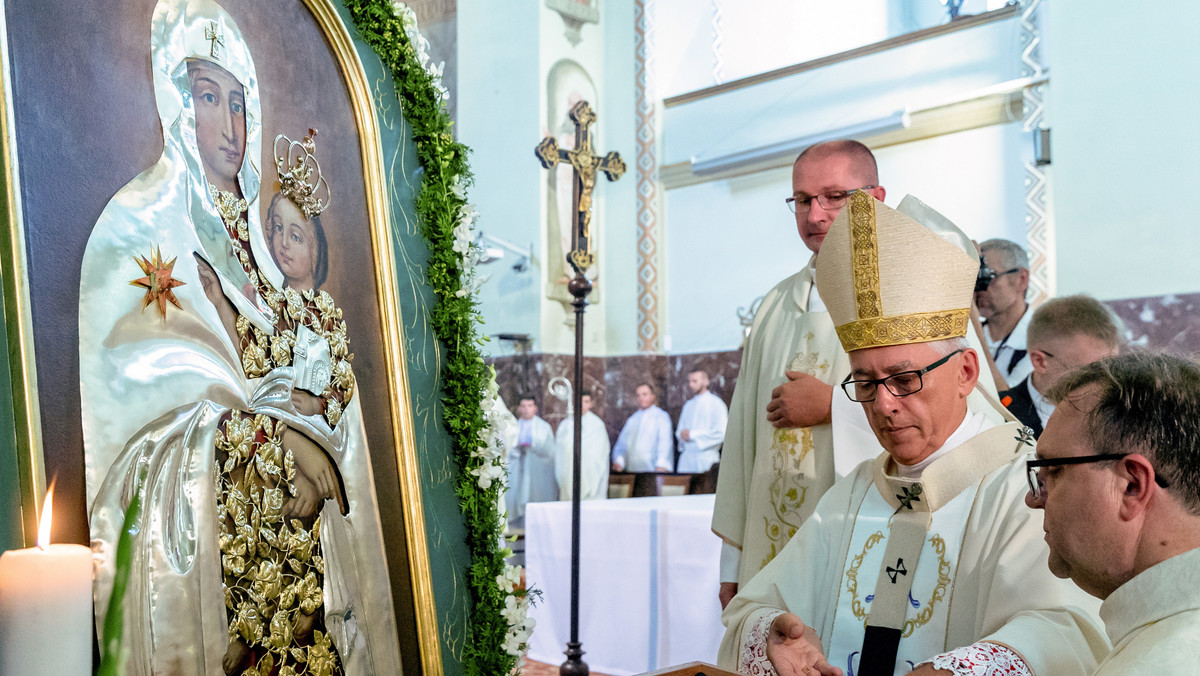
(300, 178)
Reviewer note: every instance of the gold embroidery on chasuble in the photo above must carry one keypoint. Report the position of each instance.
(790, 447)
(272, 565)
(858, 604)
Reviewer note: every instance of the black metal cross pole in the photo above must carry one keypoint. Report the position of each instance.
(586, 165)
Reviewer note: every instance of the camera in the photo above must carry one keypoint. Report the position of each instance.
(985, 277)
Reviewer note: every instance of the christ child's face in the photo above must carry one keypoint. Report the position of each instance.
(220, 104)
(293, 244)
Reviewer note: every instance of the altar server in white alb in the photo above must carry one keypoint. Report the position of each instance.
(1118, 476)
(701, 426)
(593, 470)
(923, 560)
(531, 451)
(644, 444)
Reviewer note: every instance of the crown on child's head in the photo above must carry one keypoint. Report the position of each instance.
(300, 178)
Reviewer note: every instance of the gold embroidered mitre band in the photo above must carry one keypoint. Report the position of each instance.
(889, 280)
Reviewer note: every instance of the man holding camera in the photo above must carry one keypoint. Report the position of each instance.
(1000, 296)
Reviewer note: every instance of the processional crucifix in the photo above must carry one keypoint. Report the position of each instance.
(581, 257)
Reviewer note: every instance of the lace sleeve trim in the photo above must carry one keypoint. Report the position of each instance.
(982, 659)
(753, 660)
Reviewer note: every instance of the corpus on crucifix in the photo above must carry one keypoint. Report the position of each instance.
(586, 165)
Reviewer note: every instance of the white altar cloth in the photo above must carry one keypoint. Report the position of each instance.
(648, 582)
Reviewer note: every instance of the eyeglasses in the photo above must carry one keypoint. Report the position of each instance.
(986, 277)
(834, 199)
(899, 384)
(1037, 487)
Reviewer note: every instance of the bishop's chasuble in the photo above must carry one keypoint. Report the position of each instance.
(975, 563)
(771, 479)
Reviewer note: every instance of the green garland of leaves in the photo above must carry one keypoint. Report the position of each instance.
(454, 320)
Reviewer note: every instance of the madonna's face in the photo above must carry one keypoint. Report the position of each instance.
(220, 103)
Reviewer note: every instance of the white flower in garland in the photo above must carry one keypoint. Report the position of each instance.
(487, 473)
(408, 18)
(492, 436)
(488, 457)
(491, 450)
(509, 579)
(464, 243)
(462, 237)
(520, 625)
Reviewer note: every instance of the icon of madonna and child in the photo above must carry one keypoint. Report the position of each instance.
(216, 384)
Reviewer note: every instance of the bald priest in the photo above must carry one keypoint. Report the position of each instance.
(924, 560)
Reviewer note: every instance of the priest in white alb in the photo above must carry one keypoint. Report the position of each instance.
(531, 451)
(701, 426)
(645, 443)
(923, 560)
(593, 469)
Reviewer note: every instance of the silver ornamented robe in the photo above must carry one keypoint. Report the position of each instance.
(154, 390)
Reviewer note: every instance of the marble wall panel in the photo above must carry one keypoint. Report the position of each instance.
(1170, 322)
(613, 380)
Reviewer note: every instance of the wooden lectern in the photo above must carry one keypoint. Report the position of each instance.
(690, 669)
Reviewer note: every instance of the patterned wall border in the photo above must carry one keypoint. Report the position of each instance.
(1039, 221)
(718, 44)
(647, 182)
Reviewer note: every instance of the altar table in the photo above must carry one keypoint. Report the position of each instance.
(648, 582)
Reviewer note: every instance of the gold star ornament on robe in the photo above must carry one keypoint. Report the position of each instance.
(158, 282)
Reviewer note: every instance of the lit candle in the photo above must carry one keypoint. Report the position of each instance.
(46, 606)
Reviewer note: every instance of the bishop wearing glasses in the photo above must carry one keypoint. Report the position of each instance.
(924, 560)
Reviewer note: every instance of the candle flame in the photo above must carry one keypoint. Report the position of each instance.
(44, 524)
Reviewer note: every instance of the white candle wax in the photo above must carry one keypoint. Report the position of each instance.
(46, 611)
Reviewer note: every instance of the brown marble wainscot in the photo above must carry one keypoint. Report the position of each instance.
(1170, 322)
(613, 381)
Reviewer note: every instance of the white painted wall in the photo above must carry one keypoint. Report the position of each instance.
(1121, 108)
(729, 241)
(498, 117)
(618, 245)
(712, 41)
(1123, 112)
(732, 240)
(504, 59)
(975, 178)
